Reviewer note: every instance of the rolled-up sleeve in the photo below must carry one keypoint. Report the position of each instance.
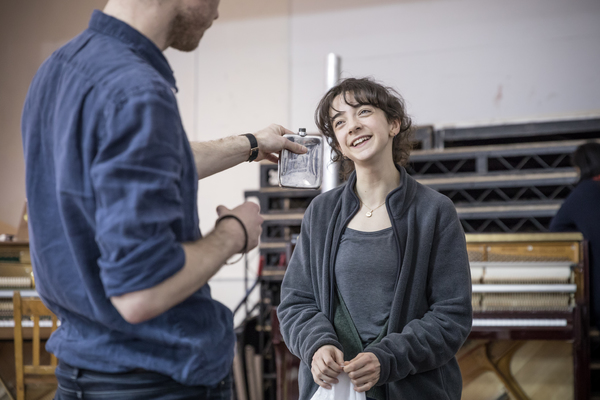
(136, 178)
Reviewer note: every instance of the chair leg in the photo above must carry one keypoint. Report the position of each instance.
(17, 317)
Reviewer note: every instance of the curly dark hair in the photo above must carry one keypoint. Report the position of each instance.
(366, 91)
(587, 158)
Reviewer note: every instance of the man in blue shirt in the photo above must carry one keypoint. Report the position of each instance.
(111, 187)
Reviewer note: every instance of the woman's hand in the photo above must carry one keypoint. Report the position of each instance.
(327, 363)
(363, 371)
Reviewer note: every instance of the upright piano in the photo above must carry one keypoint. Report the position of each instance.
(527, 287)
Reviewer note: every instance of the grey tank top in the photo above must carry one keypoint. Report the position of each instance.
(366, 270)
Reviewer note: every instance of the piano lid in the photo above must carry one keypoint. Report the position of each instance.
(524, 237)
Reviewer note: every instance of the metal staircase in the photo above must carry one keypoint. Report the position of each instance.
(505, 178)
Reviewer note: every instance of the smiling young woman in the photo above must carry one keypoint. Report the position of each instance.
(381, 293)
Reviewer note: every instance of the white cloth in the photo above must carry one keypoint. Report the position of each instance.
(343, 390)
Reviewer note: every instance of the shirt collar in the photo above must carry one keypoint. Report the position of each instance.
(143, 46)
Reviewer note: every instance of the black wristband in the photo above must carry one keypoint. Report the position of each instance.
(243, 228)
(253, 147)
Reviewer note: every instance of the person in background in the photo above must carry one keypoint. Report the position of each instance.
(112, 185)
(581, 212)
(379, 282)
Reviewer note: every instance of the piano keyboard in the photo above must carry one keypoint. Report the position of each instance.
(523, 322)
(9, 323)
(530, 288)
(8, 294)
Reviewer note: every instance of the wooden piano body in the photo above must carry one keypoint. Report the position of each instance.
(527, 287)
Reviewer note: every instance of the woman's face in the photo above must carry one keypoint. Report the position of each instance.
(363, 132)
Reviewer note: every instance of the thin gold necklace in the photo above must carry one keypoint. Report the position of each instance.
(370, 212)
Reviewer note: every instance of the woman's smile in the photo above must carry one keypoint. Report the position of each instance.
(360, 141)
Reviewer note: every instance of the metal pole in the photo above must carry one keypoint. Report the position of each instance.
(334, 69)
(331, 177)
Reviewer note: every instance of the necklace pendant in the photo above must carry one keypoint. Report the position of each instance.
(369, 214)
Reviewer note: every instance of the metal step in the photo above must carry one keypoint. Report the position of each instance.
(507, 211)
(516, 149)
(518, 130)
(500, 181)
(530, 146)
(493, 158)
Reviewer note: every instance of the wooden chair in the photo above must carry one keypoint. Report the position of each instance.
(33, 373)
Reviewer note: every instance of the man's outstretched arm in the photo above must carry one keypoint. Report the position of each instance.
(218, 155)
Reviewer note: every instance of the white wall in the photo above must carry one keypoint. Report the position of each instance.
(240, 85)
(30, 30)
(458, 61)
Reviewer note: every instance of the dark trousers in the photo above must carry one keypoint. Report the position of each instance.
(75, 384)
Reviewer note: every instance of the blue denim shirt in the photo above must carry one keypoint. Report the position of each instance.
(111, 189)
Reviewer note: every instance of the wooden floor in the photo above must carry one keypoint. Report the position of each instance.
(544, 369)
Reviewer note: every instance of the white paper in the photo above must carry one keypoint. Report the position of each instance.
(343, 390)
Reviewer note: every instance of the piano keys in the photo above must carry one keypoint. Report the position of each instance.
(15, 274)
(44, 323)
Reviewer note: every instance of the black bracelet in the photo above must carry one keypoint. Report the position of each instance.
(253, 147)
(245, 234)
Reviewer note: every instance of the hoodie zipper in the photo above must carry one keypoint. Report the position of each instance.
(398, 248)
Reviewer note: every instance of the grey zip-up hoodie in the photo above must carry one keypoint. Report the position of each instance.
(431, 311)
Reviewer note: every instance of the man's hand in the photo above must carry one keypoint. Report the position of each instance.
(203, 259)
(327, 363)
(249, 214)
(270, 140)
(363, 371)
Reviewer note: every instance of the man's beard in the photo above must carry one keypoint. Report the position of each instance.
(187, 30)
